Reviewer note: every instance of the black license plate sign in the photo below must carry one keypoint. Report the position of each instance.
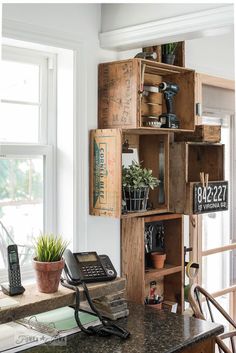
(212, 198)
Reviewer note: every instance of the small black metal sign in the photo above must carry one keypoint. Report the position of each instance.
(212, 198)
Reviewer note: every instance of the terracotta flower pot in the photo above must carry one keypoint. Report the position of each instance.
(48, 275)
(158, 259)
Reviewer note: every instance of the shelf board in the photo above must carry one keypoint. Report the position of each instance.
(152, 130)
(145, 213)
(32, 302)
(154, 273)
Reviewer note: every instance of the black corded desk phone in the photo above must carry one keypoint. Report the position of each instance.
(89, 267)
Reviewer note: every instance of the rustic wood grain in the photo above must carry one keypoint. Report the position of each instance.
(202, 133)
(105, 172)
(121, 104)
(187, 160)
(132, 255)
(133, 258)
(33, 302)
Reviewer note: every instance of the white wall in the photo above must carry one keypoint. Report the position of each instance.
(212, 55)
(116, 16)
(81, 22)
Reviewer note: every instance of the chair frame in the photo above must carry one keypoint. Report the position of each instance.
(195, 303)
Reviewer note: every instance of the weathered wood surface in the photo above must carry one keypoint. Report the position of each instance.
(105, 172)
(202, 133)
(187, 160)
(170, 278)
(121, 104)
(33, 302)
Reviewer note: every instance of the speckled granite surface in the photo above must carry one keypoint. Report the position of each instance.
(152, 331)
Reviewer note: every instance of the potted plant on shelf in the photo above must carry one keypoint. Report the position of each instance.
(168, 53)
(136, 182)
(48, 262)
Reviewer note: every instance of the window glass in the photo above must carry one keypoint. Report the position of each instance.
(19, 123)
(21, 205)
(20, 81)
(224, 301)
(217, 271)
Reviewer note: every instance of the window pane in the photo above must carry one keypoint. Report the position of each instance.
(215, 230)
(224, 301)
(218, 271)
(19, 123)
(21, 205)
(20, 81)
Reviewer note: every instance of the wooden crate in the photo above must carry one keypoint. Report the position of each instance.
(202, 133)
(120, 102)
(106, 169)
(170, 278)
(187, 160)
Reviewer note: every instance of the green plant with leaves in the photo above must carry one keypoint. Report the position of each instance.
(169, 48)
(137, 177)
(49, 248)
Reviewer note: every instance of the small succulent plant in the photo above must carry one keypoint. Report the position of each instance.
(137, 177)
(49, 248)
(169, 48)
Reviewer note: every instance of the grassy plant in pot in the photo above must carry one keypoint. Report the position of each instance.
(168, 53)
(136, 182)
(48, 262)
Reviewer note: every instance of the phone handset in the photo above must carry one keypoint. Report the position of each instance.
(88, 267)
(14, 287)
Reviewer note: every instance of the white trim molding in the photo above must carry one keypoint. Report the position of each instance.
(194, 25)
(32, 33)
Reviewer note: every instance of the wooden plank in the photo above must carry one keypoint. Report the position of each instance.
(216, 81)
(162, 217)
(132, 257)
(118, 87)
(152, 274)
(173, 289)
(154, 131)
(160, 210)
(202, 133)
(105, 172)
(150, 149)
(33, 302)
(219, 249)
(184, 101)
(177, 177)
(180, 54)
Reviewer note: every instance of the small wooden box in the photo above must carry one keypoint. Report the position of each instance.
(106, 169)
(202, 133)
(170, 278)
(120, 100)
(187, 160)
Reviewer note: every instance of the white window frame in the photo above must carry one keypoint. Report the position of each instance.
(47, 134)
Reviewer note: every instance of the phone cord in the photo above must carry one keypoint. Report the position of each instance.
(107, 328)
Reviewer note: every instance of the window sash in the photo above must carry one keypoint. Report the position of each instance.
(28, 151)
(42, 59)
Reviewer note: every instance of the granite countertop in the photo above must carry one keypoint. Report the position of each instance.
(151, 330)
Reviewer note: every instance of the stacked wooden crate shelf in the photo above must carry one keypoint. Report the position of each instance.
(106, 153)
(120, 100)
(187, 161)
(122, 112)
(170, 278)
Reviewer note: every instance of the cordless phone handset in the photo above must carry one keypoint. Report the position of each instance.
(14, 287)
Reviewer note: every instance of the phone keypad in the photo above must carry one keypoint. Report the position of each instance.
(15, 278)
(93, 271)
